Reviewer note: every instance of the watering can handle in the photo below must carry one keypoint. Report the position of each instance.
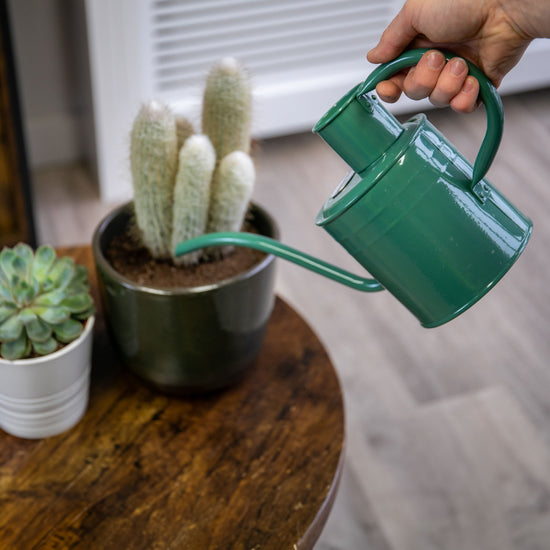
(487, 92)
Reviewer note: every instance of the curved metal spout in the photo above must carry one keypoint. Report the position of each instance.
(271, 246)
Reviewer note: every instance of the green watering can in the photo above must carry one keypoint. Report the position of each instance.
(425, 224)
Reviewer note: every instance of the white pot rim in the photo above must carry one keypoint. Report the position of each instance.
(88, 327)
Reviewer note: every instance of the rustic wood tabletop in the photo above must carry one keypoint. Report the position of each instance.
(255, 466)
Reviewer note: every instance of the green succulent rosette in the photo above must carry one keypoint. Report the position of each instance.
(44, 301)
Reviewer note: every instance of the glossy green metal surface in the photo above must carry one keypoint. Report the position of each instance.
(360, 130)
(423, 233)
(413, 212)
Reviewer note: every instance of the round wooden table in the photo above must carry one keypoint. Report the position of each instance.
(253, 467)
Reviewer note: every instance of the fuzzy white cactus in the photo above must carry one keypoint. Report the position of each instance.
(197, 160)
(207, 187)
(231, 192)
(184, 129)
(153, 160)
(226, 108)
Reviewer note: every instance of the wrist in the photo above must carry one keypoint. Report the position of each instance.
(530, 18)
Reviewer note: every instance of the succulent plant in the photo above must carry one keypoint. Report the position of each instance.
(204, 187)
(44, 301)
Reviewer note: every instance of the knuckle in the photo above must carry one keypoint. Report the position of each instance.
(447, 87)
(417, 88)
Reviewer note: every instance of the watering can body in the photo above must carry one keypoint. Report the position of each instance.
(414, 223)
(424, 222)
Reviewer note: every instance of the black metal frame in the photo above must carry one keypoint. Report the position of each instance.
(17, 129)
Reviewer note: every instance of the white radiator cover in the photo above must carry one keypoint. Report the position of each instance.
(302, 55)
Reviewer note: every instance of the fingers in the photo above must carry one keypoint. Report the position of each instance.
(466, 101)
(390, 90)
(422, 79)
(449, 83)
(397, 36)
(444, 83)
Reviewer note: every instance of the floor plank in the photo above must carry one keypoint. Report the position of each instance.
(466, 472)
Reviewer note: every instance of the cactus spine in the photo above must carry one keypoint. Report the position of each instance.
(197, 159)
(153, 164)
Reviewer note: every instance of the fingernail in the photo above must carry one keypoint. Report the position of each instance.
(468, 85)
(436, 60)
(458, 66)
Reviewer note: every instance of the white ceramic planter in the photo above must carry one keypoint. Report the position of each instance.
(44, 396)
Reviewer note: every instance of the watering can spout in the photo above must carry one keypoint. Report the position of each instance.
(271, 246)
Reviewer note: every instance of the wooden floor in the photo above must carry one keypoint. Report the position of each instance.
(448, 429)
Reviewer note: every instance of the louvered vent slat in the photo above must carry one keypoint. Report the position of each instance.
(270, 36)
(263, 62)
(199, 34)
(272, 15)
(273, 39)
(258, 48)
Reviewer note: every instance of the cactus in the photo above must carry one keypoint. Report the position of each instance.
(231, 192)
(226, 109)
(192, 193)
(154, 156)
(44, 301)
(232, 189)
(207, 186)
(184, 129)
(226, 116)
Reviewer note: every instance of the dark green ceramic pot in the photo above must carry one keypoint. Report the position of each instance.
(186, 340)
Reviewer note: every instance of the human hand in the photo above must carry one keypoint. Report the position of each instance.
(482, 32)
(445, 83)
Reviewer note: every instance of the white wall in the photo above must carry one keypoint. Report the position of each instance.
(51, 48)
(52, 63)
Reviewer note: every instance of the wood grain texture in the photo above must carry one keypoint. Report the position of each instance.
(448, 430)
(256, 466)
(16, 216)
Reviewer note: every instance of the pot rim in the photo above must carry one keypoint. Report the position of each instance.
(67, 348)
(105, 265)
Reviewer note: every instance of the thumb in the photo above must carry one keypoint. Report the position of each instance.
(397, 36)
